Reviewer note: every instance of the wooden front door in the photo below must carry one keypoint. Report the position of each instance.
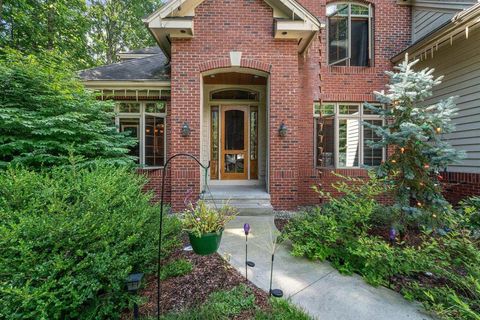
(234, 143)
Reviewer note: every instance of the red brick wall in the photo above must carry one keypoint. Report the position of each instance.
(459, 185)
(391, 35)
(296, 81)
(222, 26)
(344, 84)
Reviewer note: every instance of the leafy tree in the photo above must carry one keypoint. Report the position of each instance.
(46, 114)
(414, 128)
(35, 25)
(87, 32)
(117, 25)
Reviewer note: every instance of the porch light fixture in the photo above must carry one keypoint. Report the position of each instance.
(282, 131)
(186, 130)
(133, 284)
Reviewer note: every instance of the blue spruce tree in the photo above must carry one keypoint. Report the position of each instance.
(413, 132)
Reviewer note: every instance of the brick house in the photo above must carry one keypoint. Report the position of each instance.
(271, 92)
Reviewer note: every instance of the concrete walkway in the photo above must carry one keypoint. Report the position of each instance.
(315, 287)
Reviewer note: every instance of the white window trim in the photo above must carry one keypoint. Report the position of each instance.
(361, 117)
(141, 116)
(349, 31)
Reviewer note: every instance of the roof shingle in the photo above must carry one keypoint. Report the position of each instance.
(152, 68)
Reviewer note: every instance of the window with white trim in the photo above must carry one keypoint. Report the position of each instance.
(341, 137)
(350, 34)
(146, 122)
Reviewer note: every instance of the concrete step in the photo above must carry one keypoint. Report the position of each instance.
(247, 207)
(247, 199)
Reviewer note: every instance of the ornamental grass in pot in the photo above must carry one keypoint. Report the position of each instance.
(205, 226)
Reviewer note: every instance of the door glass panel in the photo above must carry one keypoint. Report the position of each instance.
(234, 130)
(214, 144)
(234, 163)
(253, 143)
(348, 142)
(253, 134)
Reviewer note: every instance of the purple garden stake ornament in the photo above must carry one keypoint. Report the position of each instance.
(246, 229)
(392, 234)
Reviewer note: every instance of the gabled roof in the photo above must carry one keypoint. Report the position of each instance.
(151, 68)
(175, 19)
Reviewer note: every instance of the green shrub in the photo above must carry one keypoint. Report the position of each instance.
(325, 232)
(46, 114)
(442, 271)
(469, 215)
(176, 268)
(69, 238)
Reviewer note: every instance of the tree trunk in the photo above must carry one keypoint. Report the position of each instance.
(50, 29)
(1, 12)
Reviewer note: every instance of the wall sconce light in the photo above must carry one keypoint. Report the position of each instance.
(282, 131)
(186, 130)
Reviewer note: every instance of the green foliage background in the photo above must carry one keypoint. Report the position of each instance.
(46, 115)
(86, 32)
(70, 236)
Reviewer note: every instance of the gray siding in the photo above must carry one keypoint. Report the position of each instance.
(425, 21)
(428, 15)
(460, 64)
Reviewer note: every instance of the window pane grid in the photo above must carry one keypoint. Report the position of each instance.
(342, 138)
(349, 35)
(149, 126)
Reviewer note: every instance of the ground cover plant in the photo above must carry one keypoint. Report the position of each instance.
(70, 236)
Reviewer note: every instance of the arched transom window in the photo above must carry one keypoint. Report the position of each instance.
(234, 94)
(349, 34)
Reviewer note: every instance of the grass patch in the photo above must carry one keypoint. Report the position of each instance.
(227, 304)
(220, 305)
(176, 268)
(282, 310)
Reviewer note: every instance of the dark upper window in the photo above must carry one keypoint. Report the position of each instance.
(349, 34)
(234, 94)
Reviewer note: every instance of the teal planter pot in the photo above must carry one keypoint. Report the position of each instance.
(206, 244)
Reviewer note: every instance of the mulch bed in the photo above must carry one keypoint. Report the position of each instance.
(280, 223)
(210, 273)
(412, 237)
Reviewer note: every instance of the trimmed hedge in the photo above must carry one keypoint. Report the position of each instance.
(69, 237)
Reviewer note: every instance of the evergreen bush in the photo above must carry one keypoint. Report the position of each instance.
(70, 236)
